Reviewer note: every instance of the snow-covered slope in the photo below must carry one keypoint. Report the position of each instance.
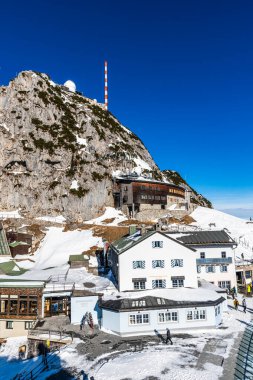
(239, 229)
(58, 245)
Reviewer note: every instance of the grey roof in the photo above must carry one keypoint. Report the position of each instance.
(129, 241)
(148, 302)
(206, 237)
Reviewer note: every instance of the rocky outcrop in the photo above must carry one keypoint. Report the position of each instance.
(60, 149)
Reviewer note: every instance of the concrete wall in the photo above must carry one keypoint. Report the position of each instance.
(144, 252)
(215, 252)
(119, 322)
(18, 328)
(81, 305)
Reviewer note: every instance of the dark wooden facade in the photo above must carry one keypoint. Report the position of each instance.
(20, 302)
(129, 191)
(20, 243)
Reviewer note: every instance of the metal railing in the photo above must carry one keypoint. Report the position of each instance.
(218, 260)
(36, 370)
(244, 361)
(44, 334)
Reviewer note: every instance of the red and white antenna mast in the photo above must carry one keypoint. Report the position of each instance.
(106, 86)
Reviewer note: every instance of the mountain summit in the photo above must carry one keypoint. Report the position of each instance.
(59, 150)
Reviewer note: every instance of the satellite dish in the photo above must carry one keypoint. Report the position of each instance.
(70, 85)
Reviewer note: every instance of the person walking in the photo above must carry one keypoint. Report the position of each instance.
(168, 337)
(244, 305)
(236, 303)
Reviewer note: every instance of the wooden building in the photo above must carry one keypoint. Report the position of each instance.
(19, 243)
(133, 194)
(20, 306)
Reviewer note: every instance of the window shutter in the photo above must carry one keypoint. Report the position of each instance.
(134, 264)
(221, 268)
(143, 264)
(173, 263)
(206, 269)
(214, 269)
(162, 264)
(199, 268)
(153, 263)
(180, 262)
(153, 244)
(164, 283)
(153, 284)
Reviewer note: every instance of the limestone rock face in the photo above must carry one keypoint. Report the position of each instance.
(59, 150)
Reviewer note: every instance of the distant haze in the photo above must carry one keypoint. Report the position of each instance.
(243, 213)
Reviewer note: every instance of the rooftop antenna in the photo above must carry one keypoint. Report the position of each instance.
(106, 86)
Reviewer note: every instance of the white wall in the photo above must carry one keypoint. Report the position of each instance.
(81, 305)
(215, 252)
(119, 322)
(144, 251)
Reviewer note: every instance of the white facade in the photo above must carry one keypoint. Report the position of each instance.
(81, 305)
(216, 264)
(158, 261)
(123, 323)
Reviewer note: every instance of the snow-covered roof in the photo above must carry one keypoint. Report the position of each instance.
(161, 298)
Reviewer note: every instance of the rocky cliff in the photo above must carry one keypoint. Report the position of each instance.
(60, 149)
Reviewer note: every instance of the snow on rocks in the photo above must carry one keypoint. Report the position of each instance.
(53, 219)
(109, 214)
(74, 185)
(10, 214)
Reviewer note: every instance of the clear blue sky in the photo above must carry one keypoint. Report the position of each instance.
(180, 76)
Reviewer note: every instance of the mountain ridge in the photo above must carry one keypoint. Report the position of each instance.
(59, 150)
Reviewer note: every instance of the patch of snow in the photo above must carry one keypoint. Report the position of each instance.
(10, 214)
(81, 140)
(126, 130)
(140, 166)
(109, 213)
(74, 185)
(53, 219)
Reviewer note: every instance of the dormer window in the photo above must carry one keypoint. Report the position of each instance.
(137, 303)
(157, 244)
(223, 255)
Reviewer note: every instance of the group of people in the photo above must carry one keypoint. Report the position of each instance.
(87, 318)
(244, 305)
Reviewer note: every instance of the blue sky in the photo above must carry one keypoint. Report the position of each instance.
(180, 76)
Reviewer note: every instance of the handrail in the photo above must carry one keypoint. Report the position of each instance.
(34, 372)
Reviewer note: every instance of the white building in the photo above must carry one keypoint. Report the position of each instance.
(215, 255)
(153, 260)
(150, 312)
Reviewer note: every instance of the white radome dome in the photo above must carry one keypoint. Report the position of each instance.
(71, 85)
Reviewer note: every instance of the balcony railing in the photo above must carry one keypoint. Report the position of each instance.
(218, 260)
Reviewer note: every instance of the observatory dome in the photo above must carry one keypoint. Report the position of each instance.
(70, 85)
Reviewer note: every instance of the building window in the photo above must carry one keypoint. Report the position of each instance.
(144, 196)
(28, 325)
(248, 273)
(139, 319)
(157, 244)
(139, 285)
(210, 269)
(223, 255)
(158, 284)
(177, 283)
(176, 263)
(223, 268)
(224, 284)
(137, 303)
(194, 315)
(157, 263)
(202, 255)
(169, 316)
(138, 264)
(9, 325)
